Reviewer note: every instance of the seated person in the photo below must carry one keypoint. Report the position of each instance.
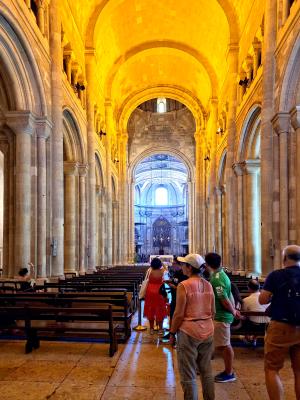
(27, 283)
(251, 303)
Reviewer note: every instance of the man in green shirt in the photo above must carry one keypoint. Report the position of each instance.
(225, 314)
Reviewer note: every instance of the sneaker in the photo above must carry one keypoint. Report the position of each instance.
(223, 377)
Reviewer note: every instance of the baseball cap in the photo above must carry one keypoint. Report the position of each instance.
(195, 260)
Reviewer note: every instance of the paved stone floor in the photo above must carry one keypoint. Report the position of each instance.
(143, 369)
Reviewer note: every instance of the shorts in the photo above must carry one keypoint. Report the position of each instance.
(221, 334)
(282, 339)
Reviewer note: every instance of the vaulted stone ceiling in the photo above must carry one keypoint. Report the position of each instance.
(170, 48)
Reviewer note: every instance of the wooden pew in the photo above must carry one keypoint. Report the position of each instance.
(121, 302)
(60, 322)
(257, 331)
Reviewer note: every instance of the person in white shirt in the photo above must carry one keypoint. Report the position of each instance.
(251, 303)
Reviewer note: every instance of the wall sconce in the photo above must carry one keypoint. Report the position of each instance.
(219, 131)
(101, 133)
(78, 87)
(207, 158)
(244, 82)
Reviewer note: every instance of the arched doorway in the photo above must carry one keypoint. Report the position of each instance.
(161, 207)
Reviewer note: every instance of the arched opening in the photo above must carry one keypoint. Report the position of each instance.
(115, 222)
(74, 254)
(250, 201)
(160, 206)
(100, 214)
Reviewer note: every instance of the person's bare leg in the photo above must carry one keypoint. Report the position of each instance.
(295, 358)
(151, 322)
(274, 385)
(159, 324)
(228, 355)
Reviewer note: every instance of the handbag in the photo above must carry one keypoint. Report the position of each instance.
(144, 285)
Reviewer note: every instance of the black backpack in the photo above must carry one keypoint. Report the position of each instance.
(291, 288)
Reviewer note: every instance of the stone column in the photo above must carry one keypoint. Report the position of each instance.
(230, 251)
(191, 216)
(213, 175)
(295, 120)
(57, 142)
(116, 229)
(131, 249)
(266, 135)
(123, 208)
(22, 124)
(90, 73)
(70, 170)
(218, 220)
(285, 10)
(203, 186)
(82, 172)
(257, 51)
(240, 218)
(281, 124)
(103, 228)
(252, 217)
(41, 5)
(197, 137)
(109, 128)
(43, 132)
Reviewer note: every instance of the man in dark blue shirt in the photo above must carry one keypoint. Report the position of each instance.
(282, 288)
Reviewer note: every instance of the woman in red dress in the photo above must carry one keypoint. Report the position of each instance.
(155, 304)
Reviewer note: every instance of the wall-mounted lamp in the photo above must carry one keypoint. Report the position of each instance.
(244, 82)
(101, 133)
(207, 158)
(219, 131)
(78, 87)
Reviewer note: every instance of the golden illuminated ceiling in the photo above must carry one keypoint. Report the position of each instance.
(144, 47)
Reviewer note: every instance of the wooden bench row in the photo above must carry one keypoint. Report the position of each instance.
(60, 322)
(121, 306)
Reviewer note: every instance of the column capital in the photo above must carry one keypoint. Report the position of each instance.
(250, 166)
(281, 122)
(70, 168)
(82, 169)
(238, 168)
(43, 127)
(295, 117)
(20, 121)
(107, 103)
(90, 52)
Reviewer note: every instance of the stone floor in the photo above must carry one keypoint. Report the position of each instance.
(144, 368)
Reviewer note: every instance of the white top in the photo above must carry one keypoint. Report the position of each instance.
(251, 303)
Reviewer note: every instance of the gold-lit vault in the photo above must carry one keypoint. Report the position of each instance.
(140, 46)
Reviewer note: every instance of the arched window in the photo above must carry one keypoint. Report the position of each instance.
(161, 105)
(161, 196)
